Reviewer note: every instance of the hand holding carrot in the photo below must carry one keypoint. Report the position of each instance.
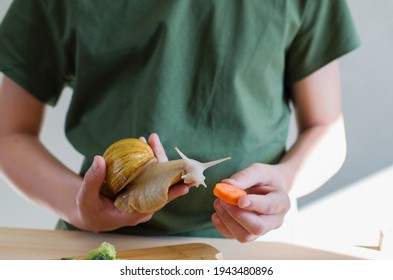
(258, 211)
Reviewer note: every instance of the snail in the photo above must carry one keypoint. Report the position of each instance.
(136, 181)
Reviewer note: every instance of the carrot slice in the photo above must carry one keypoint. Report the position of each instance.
(229, 193)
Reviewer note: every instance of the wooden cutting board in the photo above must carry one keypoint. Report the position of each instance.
(189, 251)
(30, 244)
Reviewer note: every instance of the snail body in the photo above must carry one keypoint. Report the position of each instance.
(136, 181)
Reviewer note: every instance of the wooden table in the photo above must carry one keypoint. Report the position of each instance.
(16, 243)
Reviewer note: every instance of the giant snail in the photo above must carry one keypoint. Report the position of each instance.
(136, 181)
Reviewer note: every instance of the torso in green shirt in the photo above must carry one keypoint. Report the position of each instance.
(210, 77)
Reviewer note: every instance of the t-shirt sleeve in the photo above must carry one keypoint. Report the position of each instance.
(327, 32)
(29, 50)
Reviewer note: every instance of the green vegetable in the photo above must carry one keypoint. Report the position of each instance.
(105, 251)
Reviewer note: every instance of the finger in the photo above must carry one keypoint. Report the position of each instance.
(94, 177)
(218, 223)
(254, 223)
(276, 202)
(220, 226)
(114, 218)
(256, 174)
(143, 139)
(177, 190)
(232, 225)
(246, 225)
(158, 149)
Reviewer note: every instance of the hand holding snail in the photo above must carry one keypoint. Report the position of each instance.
(137, 182)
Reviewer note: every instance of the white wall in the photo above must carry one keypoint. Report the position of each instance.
(15, 210)
(367, 77)
(367, 99)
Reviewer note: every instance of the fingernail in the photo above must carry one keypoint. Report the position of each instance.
(215, 219)
(244, 203)
(95, 164)
(154, 135)
(231, 181)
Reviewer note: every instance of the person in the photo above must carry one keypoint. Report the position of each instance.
(215, 78)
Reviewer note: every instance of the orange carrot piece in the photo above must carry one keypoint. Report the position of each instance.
(229, 193)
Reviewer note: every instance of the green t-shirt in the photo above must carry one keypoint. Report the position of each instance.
(209, 76)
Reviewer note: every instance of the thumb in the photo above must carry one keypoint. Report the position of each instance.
(248, 177)
(94, 176)
(256, 174)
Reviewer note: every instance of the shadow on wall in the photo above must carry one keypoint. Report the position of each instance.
(367, 97)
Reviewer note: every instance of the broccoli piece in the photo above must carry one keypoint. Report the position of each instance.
(105, 251)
